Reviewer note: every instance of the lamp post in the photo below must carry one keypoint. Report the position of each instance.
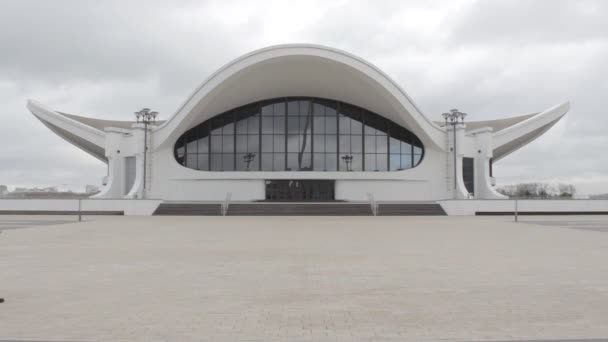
(145, 116)
(248, 158)
(348, 159)
(454, 118)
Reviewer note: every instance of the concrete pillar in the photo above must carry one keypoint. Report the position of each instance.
(484, 152)
(460, 192)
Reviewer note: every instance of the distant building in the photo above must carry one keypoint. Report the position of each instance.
(3, 191)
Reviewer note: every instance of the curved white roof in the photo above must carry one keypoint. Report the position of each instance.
(314, 71)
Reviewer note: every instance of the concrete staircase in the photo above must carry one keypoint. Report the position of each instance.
(188, 209)
(299, 209)
(410, 209)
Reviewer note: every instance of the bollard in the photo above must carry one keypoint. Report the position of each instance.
(79, 210)
(516, 213)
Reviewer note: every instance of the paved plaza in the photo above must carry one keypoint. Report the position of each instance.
(303, 278)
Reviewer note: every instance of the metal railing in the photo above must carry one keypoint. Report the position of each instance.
(226, 204)
(373, 204)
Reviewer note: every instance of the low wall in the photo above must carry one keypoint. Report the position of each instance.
(524, 207)
(70, 206)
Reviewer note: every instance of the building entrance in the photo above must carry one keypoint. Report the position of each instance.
(300, 190)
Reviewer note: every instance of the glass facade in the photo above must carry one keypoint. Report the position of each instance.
(298, 134)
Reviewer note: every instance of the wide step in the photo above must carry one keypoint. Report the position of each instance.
(410, 209)
(188, 209)
(299, 209)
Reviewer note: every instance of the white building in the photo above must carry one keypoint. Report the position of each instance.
(299, 122)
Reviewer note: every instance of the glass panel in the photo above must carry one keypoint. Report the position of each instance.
(293, 125)
(279, 162)
(319, 125)
(331, 162)
(267, 110)
(253, 124)
(216, 143)
(381, 160)
(228, 143)
(279, 143)
(267, 143)
(228, 162)
(266, 161)
(305, 108)
(417, 159)
(406, 161)
(356, 127)
(318, 109)
(395, 161)
(370, 144)
(241, 143)
(345, 143)
(331, 125)
(191, 161)
(292, 143)
(279, 109)
(292, 162)
(203, 145)
(406, 148)
(356, 143)
(305, 143)
(305, 162)
(357, 164)
(331, 143)
(370, 162)
(370, 130)
(253, 143)
(279, 125)
(344, 125)
(292, 108)
(241, 126)
(394, 145)
(381, 144)
(191, 147)
(203, 162)
(319, 161)
(319, 143)
(229, 128)
(216, 162)
(267, 125)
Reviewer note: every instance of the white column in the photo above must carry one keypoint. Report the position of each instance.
(483, 182)
(460, 191)
(137, 148)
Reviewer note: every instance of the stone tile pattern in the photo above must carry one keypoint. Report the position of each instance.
(303, 279)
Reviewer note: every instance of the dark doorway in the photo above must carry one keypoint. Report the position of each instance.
(468, 174)
(300, 190)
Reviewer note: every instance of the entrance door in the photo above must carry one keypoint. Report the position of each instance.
(300, 190)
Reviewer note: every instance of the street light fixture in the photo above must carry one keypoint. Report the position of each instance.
(348, 159)
(248, 158)
(454, 118)
(147, 117)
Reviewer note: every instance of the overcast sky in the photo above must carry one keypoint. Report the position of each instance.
(491, 59)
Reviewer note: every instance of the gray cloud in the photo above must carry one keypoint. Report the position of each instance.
(489, 58)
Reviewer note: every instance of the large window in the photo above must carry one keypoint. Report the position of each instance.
(298, 134)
